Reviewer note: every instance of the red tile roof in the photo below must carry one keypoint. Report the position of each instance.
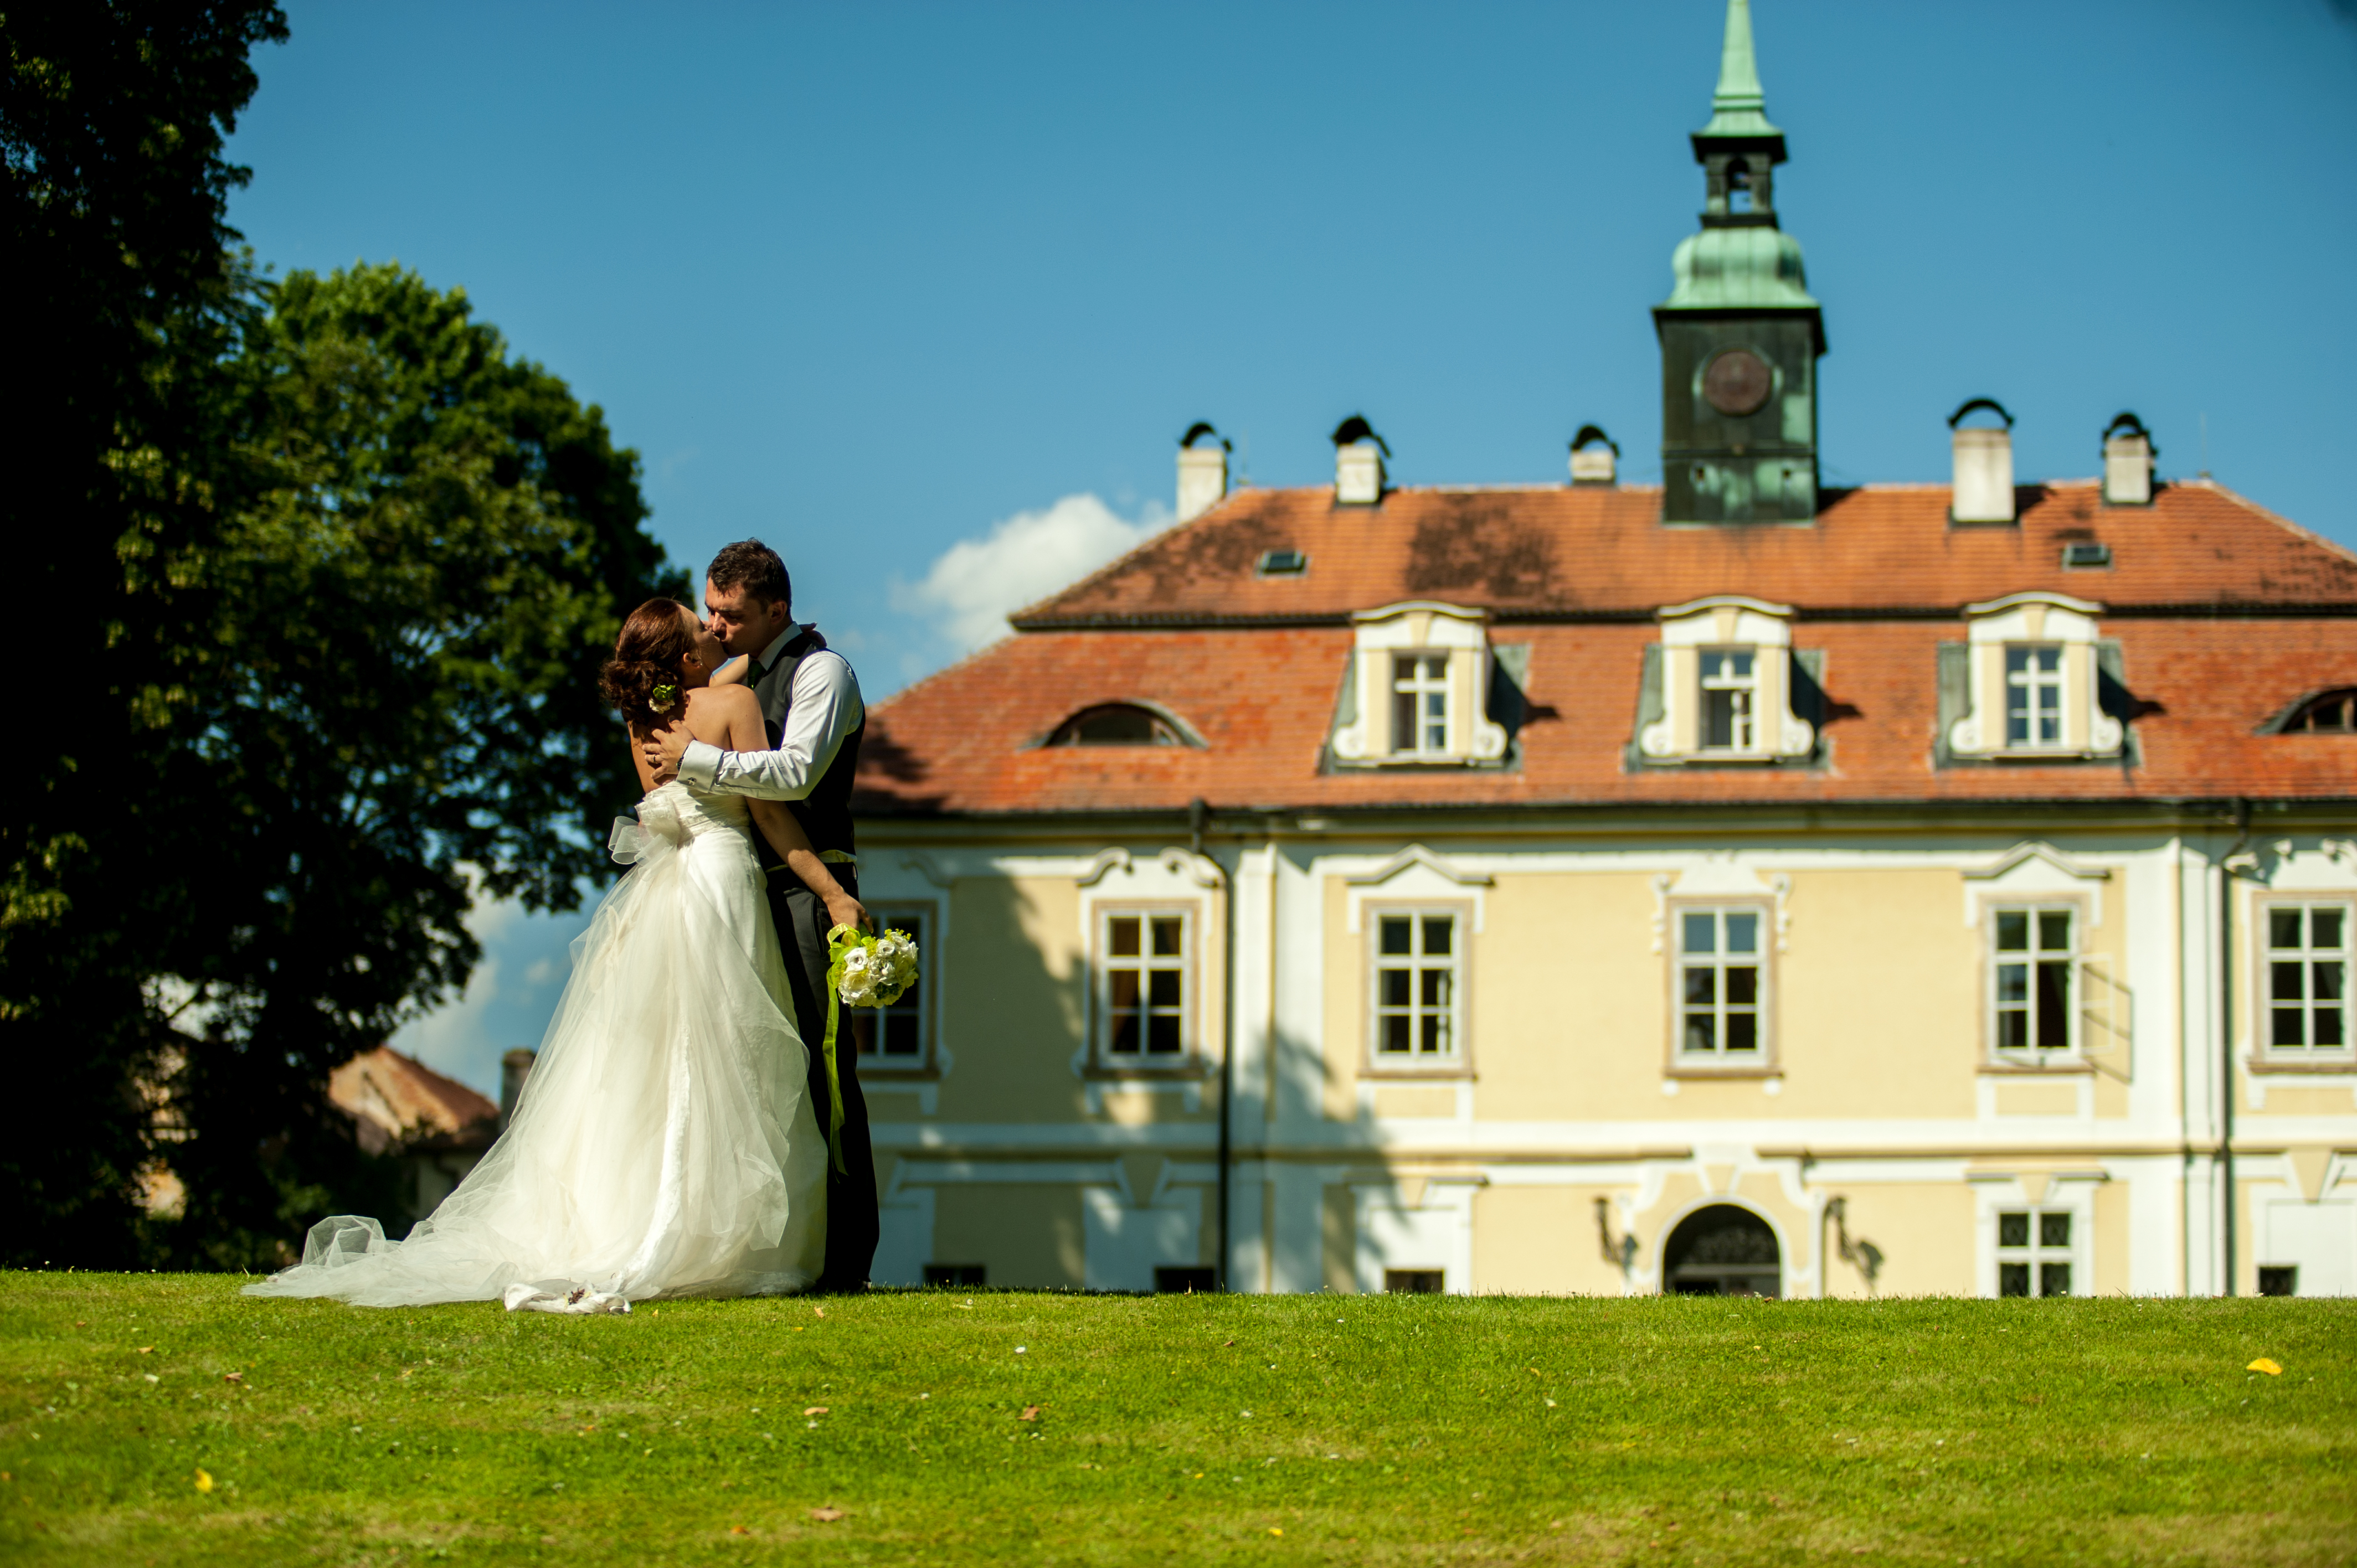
(2224, 612)
(399, 1102)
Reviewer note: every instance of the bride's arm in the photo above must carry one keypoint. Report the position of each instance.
(785, 833)
(733, 673)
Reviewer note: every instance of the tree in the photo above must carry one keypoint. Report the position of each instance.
(113, 187)
(336, 572)
(396, 712)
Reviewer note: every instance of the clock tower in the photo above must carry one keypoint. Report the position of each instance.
(1741, 335)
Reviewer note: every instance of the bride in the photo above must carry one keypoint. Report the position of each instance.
(664, 1144)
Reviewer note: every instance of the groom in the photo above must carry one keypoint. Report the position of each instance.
(811, 699)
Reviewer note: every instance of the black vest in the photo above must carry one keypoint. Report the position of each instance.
(826, 813)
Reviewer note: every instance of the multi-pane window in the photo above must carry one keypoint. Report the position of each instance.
(2033, 695)
(1144, 1000)
(1420, 704)
(899, 1037)
(2033, 1251)
(2036, 952)
(2307, 976)
(1730, 692)
(1719, 985)
(1416, 960)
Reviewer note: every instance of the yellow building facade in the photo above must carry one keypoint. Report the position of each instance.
(1730, 885)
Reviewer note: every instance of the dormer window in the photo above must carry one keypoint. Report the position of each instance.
(2031, 680)
(2327, 712)
(1124, 723)
(1719, 687)
(1417, 691)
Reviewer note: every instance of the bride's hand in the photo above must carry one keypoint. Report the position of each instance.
(843, 909)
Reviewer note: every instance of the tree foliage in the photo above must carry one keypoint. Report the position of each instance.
(342, 570)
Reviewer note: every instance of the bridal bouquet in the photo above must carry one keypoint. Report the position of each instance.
(871, 971)
(862, 970)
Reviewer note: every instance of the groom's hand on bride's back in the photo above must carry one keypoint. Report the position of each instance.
(662, 751)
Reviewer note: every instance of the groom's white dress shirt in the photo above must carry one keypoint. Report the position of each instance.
(815, 699)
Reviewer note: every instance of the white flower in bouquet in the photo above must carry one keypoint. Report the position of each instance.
(858, 984)
(873, 971)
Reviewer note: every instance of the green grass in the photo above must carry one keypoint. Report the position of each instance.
(1380, 1430)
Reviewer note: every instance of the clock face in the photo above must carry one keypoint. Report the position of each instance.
(1737, 383)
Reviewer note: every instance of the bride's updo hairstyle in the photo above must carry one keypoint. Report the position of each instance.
(647, 655)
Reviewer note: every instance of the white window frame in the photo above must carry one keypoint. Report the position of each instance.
(2000, 627)
(1419, 675)
(1743, 698)
(889, 913)
(1421, 628)
(2073, 965)
(1726, 625)
(2037, 1254)
(1453, 1062)
(2262, 998)
(2035, 692)
(1719, 1060)
(1188, 966)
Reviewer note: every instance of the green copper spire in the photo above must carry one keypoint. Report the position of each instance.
(1738, 108)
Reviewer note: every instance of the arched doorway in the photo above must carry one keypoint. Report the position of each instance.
(1722, 1251)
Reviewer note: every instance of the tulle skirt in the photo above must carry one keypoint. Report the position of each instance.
(663, 1145)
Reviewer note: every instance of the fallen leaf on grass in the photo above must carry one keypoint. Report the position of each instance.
(826, 1515)
(816, 1410)
(239, 1377)
(818, 1311)
(738, 1530)
(1274, 1531)
(2267, 1365)
(144, 1349)
(204, 1481)
(1031, 1412)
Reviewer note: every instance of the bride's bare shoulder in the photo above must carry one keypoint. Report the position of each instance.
(715, 712)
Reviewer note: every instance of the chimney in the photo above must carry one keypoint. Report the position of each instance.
(514, 1067)
(1595, 456)
(2127, 462)
(1202, 470)
(1359, 455)
(1983, 482)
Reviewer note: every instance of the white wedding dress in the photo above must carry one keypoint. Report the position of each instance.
(663, 1145)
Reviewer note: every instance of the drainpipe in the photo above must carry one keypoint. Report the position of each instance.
(2227, 1026)
(1198, 819)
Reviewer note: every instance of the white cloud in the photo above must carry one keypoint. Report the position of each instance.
(977, 583)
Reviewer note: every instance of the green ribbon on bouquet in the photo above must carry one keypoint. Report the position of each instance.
(840, 941)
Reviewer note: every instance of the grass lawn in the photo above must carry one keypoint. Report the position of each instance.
(946, 1427)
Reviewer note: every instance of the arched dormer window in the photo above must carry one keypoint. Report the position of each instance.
(1124, 723)
(2325, 713)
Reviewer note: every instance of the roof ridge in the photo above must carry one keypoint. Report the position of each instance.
(2288, 525)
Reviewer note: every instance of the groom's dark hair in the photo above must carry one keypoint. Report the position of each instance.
(758, 568)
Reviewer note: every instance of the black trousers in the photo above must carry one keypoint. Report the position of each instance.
(851, 1224)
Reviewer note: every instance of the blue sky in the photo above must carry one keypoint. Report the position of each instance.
(886, 281)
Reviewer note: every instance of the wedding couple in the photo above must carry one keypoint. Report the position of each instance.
(670, 1139)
